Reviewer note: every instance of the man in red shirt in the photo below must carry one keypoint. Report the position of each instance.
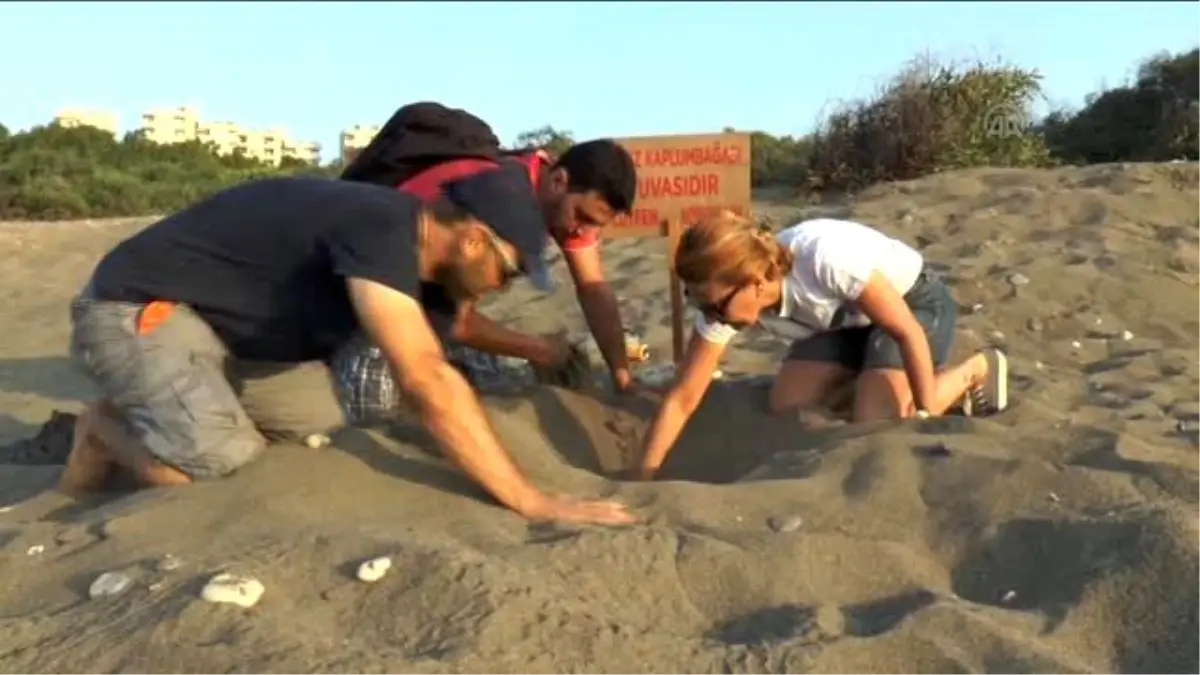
(579, 193)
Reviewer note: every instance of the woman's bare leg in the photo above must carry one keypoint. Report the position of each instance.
(884, 393)
(812, 390)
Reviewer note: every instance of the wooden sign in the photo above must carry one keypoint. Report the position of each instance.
(681, 179)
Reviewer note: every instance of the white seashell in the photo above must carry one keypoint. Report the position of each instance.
(227, 588)
(109, 584)
(373, 570)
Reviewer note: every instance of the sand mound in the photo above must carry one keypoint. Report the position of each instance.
(1058, 537)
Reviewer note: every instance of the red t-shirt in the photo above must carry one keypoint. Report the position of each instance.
(428, 185)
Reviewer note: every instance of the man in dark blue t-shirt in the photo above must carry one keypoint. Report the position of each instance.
(207, 332)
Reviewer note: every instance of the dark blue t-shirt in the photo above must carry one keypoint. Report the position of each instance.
(265, 263)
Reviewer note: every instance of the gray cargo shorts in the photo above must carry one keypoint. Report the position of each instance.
(182, 395)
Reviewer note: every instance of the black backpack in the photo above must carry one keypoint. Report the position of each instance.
(419, 136)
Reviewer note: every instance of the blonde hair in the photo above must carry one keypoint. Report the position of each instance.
(731, 250)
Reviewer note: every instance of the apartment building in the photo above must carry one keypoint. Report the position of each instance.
(182, 124)
(304, 151)
(171, 125)
(75, 117)
(225, 137)
(354, 139)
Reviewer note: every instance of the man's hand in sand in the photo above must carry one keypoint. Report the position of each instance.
(571, 510)
(564, 364)
(624, 382)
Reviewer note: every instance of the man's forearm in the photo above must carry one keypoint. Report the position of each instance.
(477, 331)
(603, 315)
(451, 411)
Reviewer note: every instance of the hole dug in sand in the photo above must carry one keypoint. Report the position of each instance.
(729, 436)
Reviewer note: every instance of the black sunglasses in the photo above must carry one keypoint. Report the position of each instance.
(509, 269)
(714, 311)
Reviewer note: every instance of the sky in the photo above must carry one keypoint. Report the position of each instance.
(596, 69)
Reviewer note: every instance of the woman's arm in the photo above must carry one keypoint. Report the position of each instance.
(679, 403)
(884, 305)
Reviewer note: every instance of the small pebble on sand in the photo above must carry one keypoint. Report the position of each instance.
(785, 523)
(977, 308)
(36, 549)
(1008, 596)
(168, 563)
(315, 441)
(109, 584)
(234, 590)
(374, 569)
(1076, 344)
(1126, 335)
(1018, 279)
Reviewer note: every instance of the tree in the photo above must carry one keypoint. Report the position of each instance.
(546, 138)
(1151, 119)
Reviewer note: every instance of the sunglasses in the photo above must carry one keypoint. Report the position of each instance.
(714, 311)
(510, 269)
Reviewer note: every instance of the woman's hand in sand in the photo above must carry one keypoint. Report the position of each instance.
(571, 510)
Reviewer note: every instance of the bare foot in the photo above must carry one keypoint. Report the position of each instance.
(88, 466)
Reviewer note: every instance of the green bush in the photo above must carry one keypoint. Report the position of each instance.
(54, 173)
(929, 118)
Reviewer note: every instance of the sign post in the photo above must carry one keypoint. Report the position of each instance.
(682, 179)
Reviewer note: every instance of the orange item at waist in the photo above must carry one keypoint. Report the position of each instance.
(153, 314)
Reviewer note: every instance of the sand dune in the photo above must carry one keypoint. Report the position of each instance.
(1060, 536)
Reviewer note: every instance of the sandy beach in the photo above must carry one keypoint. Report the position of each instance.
(1060, 536)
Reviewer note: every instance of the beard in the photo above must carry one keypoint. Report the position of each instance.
(464, 281)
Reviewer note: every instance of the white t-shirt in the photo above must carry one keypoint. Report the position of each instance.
(834, 259)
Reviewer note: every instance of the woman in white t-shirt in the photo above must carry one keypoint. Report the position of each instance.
(864, 313)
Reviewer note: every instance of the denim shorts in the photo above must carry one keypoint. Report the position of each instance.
(869, 347)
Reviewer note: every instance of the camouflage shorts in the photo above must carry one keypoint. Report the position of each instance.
(368, 392)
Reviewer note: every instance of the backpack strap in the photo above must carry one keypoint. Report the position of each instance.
(539, 160)
(534, 161)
